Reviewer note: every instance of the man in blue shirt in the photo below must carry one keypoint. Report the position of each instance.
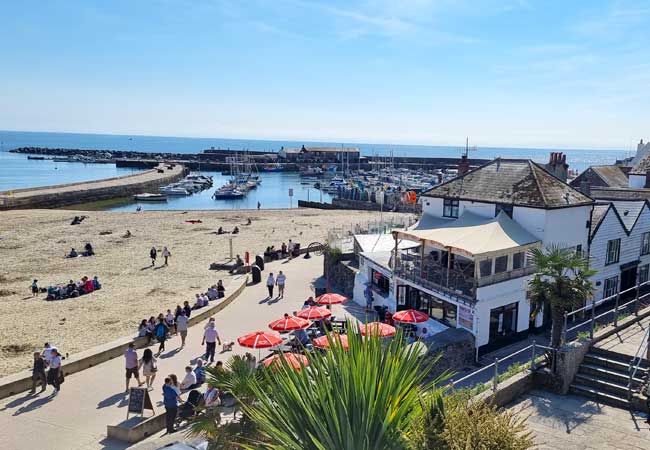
(170, 399)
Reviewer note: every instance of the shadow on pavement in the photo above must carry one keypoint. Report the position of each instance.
(113, 399)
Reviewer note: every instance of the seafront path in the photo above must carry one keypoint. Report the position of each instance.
(90, 400)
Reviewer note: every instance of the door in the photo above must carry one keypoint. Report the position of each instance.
(628, 281)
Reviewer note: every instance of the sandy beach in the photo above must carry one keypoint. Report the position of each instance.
(33, 244)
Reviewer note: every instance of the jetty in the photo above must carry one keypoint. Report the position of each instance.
(90, 191)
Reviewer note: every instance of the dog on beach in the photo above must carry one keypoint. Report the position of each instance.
(227, 346)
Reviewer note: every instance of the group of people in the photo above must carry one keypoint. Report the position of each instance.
(162, 327)
(46, 369)
(235, 230)
(286, 250)
(72, 289)
(88, 251)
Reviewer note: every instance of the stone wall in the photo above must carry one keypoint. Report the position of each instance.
(341, 274)
(456, 349)
(340, 203)
(54, 197)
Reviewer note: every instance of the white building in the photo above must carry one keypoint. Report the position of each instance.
(619, 246)
(470, 268)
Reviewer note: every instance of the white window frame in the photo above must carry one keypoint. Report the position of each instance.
(613, 253)
(644, 272)
(454, 206)
(610, 286)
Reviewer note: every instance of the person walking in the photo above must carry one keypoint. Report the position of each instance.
(166, 254)
(54, 374)
(181, 326)
(34, 288)
(259, 205)
(131, 363)
(38, 373)
(210, 339)
(153, 254)
(171, 399)
(149, 366)
(161, 334)
(280, 281)
(270, 282)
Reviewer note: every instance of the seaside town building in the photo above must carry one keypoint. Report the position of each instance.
(467, 264)
(347, 155)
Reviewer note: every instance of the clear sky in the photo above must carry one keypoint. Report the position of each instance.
(566, 73)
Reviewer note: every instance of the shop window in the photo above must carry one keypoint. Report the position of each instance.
(380, 282)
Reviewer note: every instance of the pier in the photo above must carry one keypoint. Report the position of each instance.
(90, 191)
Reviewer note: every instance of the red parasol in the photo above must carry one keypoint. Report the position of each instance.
(322, 342)
(289, 323)
(377, 328)
(410, 316)
(295, 360)
(260, 339)
(314, 313)
(331, 299)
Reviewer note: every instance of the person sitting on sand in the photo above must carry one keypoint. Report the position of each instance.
(73, 253)
(72, 290)
(220, 230)
(127, 234)
(88, 250)
(249, 221)
(89, 286)
(235, 230)
(96, 283)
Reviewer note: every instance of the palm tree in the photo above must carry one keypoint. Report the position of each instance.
(561, 282)
(358, 399)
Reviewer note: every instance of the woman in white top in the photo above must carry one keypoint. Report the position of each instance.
(166, 254)
(54, 374)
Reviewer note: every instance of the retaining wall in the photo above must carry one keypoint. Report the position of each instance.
(22, 381)
(90, 191)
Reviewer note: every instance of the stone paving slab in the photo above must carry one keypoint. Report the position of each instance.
(576, 423)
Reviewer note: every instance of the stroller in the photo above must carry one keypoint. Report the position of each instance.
(188, 409)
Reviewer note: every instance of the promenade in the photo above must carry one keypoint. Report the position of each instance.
(90, 400)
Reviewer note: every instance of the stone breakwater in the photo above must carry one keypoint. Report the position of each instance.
(90, 191)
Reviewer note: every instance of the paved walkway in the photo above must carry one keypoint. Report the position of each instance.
(576, 423)
(628, 340)
(76, 419)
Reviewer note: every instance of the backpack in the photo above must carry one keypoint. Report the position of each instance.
(160, 331)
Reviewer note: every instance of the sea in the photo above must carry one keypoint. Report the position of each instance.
(16, 171)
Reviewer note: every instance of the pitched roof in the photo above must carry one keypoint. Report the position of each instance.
(603, 193)
(612, 176)
(520, 182)
(628, 212)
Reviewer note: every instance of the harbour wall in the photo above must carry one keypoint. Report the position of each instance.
(341, 203)
(70, 194)
(216, 159)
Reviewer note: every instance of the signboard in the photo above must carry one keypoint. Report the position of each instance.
(290, 192)
(139, 400)
(466, 317)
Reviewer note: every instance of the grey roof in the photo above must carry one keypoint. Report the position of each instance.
(382, 259)
(597, 215)
(520, 182)
(612, 176)
(603, 193)
(628, 212)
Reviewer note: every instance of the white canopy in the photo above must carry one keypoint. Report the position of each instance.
(471, 234)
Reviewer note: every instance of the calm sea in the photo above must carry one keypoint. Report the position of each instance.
(16, 171)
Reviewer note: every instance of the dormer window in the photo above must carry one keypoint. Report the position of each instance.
(450, 208)
(503, 207)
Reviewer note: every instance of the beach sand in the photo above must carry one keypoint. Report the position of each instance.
(33, 244)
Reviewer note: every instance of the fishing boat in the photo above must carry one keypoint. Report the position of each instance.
(225, 193)
(273, 167)
(148, 197)
(311, 172)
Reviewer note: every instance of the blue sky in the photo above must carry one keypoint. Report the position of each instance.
(504, 72)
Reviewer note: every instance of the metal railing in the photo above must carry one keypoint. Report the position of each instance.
(600, 318)
(635, 362)
(493, 373)
(452, 282)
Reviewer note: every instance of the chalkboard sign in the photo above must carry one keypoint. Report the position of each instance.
(139, 400)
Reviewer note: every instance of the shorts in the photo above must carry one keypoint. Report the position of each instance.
(183, 334)
(34, 290)
(133, 372)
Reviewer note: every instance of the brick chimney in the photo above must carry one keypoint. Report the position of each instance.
(557, 165)
(463, 165)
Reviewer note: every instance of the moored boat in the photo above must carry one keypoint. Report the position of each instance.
(149, 197)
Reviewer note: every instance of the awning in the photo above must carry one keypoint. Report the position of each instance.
(471, 234)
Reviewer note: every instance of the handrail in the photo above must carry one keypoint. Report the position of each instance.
(637, 357)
